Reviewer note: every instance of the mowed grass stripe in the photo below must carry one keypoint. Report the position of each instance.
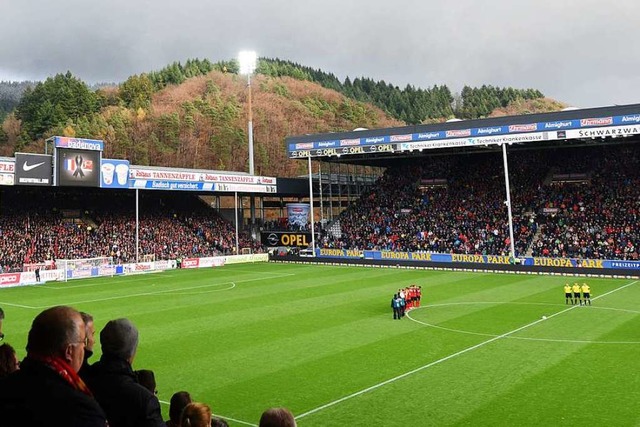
(582, 372)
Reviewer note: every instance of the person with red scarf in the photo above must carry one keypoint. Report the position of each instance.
(47, 390)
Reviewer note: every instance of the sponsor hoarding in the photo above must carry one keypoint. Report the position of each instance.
(7, 166)
(33, 169)
(460, 137)
(603, 132)
(172, 175)
(114, 173)
(172, 185)
(189, 180)
(211, 262)
(378, 148)
(10, 279)
(247, 188)
(6, 179)
(478, 259)
(190, 263)
(285, 238)
(78, 143)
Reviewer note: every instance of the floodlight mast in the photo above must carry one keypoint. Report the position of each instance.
(248, 60)
(508, 202)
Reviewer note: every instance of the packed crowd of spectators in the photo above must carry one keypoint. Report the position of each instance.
(167, 229)
(595, 220)
(445, 204)
(456, 204)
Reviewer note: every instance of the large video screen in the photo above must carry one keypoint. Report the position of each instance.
(78, 168)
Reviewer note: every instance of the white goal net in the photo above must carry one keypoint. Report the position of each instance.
(82, 267)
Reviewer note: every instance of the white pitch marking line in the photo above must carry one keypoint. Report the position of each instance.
(462, 331)
(174, 291)
(265, 272)
(143, 294)
(62, 287)
(233, 285)
(18, 305)
(53, 287)
(451, 356)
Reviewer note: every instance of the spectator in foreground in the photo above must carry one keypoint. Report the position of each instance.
(125, 401)
(1, 319)
(277, 417)
(178, 402)
(196, 414)
(147, 379)
(8, 360)
(218, 422)
(90, 331)
(47, 389)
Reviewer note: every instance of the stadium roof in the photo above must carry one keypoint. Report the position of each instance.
(385, 147)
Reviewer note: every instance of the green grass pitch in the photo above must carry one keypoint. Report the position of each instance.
(321, 341)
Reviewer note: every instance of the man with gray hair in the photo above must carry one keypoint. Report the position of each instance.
(114, 383)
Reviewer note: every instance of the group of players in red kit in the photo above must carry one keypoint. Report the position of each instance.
(406, 299)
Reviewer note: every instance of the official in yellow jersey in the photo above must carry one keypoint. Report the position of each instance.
(567, 294)
(586, 293)
(576, 293)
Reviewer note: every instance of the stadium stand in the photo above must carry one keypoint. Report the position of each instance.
(455, 204)
(71, 224)
(580, 202)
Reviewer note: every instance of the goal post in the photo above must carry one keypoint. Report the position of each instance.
(81, 267)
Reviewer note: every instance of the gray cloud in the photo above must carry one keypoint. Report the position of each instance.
(577, 51)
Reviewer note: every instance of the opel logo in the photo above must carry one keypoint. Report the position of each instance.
(273, 239)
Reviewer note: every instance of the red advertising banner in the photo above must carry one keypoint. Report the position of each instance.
(191, 263)
(9, 279)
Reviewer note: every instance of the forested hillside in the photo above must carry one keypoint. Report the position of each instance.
(195, 114)
(200, 123)
(10, 95)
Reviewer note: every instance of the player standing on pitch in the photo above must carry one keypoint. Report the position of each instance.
(586, 293)
(567, 294)
(576, 294)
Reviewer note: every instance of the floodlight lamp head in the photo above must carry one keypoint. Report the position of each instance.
(247, 60)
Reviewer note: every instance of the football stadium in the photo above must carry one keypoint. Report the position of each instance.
(255, 292)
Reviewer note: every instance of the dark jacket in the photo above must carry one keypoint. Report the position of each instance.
(127, 403)
(84, 369)
(37, 396)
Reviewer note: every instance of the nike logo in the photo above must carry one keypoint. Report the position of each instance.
(26, 167)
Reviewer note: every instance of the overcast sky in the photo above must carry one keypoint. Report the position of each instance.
(581, 52)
